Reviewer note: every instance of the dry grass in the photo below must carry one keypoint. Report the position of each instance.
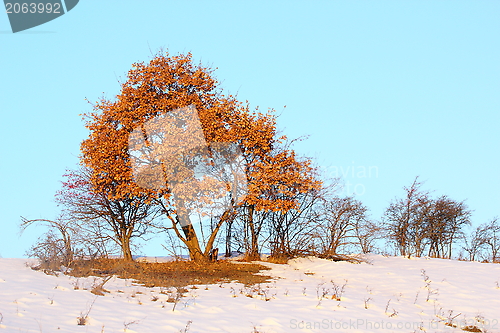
(279, 259)
(171, 274)
(342, 257)
(82, 320)
(471, 328)
(284, 258)
(98, 288)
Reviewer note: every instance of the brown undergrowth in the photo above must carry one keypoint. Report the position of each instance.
(171, 274)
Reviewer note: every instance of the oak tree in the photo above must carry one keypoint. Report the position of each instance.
(162, 87)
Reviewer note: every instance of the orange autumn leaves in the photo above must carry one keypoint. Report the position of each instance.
(274, 174)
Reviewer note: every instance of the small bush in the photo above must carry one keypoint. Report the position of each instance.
(186, 329)
(49, 251)
(83, 318)
(278, 259)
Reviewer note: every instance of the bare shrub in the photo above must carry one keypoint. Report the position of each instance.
(49, 251)
(64, 241)
(483, 242)
(127, 325)
(493, 242)
(186, 329)
(98, 288)
(83, 318)
(338, 290)
(417, 223)
(338, 227)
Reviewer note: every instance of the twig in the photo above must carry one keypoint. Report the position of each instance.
(82, 320)
(126, 325)
(186, 329)
(366, 302)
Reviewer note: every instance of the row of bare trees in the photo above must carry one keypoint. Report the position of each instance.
(323, 224)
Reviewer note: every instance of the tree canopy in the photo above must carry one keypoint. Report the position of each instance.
(161, 87)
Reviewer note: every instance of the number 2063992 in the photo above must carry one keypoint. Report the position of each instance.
(32, 8)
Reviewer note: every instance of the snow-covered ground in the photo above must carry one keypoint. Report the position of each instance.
(387, 294)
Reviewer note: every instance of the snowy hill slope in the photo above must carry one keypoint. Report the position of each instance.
(388, 294)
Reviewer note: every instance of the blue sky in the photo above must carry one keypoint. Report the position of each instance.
(393, 88)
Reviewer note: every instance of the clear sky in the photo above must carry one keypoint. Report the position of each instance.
(387, 89)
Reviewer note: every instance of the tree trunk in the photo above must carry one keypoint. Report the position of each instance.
(192, 243)
(228, 238)
(126, 251)
(195, 252)
(253, 253)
